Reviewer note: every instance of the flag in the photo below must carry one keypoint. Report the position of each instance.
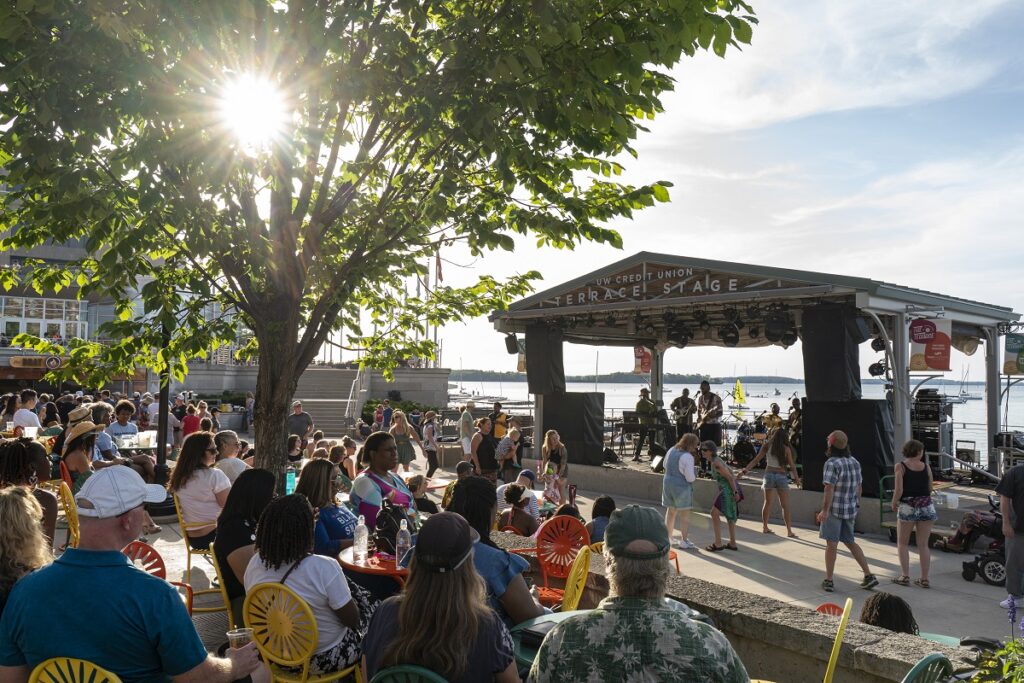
(437, 266)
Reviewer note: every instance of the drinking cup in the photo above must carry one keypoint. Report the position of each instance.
(239, 637)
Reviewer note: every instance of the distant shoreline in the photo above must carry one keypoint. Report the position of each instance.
(670, 378)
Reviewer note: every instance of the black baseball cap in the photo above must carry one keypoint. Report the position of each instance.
(444, 543)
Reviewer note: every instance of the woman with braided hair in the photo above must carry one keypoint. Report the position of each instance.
(284, 554)
(23, 462)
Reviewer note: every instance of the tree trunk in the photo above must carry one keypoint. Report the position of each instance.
(275, 387)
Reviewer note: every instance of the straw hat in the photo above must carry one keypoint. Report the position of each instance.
(78, 430)
(78, 414)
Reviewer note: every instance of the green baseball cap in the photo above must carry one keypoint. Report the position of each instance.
(636, 523)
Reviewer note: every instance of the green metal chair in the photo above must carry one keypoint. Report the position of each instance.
(406, 673)
(932, 669)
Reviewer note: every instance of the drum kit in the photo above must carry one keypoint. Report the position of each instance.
(749, 439)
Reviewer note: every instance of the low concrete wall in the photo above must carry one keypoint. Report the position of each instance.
(630, 483)
(782, 642)
(212, 379)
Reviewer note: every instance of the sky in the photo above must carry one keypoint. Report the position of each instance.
(882, 140)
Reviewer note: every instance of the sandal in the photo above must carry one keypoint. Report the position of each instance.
(767, 531)
(923, 583)
(901, 580)
(731, 547)
(715, 548)
(152, 529)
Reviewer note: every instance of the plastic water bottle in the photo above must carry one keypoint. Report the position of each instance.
(361, 541)
(403, 542)
(289, 481)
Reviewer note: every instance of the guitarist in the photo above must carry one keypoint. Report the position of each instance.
(683, 408)
(646, 410)
(709, 415)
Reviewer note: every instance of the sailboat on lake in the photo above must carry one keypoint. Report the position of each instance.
(738, 396)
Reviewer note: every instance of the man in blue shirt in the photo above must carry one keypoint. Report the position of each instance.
(93, 604)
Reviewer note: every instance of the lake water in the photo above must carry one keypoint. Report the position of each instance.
(969, 418)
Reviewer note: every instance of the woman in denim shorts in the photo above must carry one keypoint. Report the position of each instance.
(912, 503)
(778, 456)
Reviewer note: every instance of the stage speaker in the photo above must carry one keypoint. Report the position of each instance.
(511, 344)
(545, 373)
(579, 420)
(831, 337)
(867, 423)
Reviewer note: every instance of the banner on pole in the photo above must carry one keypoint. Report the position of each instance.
(1013, 363)
(521, 362)
(930, 344)
(641, 360)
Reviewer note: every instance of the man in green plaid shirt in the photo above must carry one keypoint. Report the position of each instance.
(633, 635)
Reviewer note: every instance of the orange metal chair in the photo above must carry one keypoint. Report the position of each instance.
(65, 474)
(830, 608)
(558, 542)
(672, 555)
(569, 598)
(146, 558)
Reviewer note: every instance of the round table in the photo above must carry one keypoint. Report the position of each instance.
(378, 566)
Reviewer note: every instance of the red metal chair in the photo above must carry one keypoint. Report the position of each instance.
(145, 556)
(558, 542)
(65, 475)
(510, 530)
(830, 608)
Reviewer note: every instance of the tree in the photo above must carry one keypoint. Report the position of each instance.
(399, 126)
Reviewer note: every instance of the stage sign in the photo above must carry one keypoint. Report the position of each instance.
(641, 360)
(930, 344)
(1013, 363)
(653, 281)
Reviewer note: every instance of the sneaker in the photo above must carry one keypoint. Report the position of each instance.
(1017, 602)
(869, 581)
(688, 545)
(828, 586)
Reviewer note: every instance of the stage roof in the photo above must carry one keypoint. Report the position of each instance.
(650, 297)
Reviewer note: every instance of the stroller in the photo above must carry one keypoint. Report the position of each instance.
(991, 563)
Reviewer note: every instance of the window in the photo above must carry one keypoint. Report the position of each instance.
(14, 307)
(72, 310)
(54, 309)
(32, 328)
(53, 330)
(11, 328)
(33, 308)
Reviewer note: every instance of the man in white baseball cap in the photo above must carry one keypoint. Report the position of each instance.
(108, 611)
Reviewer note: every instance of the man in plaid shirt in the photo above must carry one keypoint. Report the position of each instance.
(842, 479)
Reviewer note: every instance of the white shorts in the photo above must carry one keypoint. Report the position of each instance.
(467, 445)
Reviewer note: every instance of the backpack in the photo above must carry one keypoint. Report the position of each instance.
(389, 521)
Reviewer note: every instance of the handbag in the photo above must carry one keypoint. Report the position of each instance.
(389, 521)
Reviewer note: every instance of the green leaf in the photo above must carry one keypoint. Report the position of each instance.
(660, 193)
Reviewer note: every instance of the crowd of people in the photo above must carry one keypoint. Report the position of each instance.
(463, 593)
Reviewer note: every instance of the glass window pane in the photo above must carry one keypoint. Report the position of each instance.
(54, 309)
(32, 328)
(33, 308)
(83, 332)
(12, 328)
(14, 307)
(52, 330)
(71, 310)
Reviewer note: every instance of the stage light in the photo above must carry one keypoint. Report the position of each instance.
(877, 369)
(789, 338)
(511, 343)
(878, 344)
(730, 335)
(590, 320)
(610, 321)
(776, 327)
(754, 332)
(650, 330)
(702, 320)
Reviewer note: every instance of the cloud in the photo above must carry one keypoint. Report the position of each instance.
(833, 55)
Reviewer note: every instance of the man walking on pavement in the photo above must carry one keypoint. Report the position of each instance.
(842, 478)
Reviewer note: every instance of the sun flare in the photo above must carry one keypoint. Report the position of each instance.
(254, 110)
